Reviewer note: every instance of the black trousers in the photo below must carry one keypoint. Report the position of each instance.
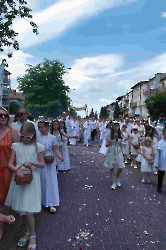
(93, 134)
(160, 178)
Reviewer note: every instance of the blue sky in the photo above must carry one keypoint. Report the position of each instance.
(109, 44)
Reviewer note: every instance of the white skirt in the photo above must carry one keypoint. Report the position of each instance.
(25, 198)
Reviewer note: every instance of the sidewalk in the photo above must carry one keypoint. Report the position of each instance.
(91, 216)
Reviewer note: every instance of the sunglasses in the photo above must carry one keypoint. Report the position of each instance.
(4, 115)
(21, 114)
(26, 137)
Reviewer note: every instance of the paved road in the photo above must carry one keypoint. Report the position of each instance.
(91, 216)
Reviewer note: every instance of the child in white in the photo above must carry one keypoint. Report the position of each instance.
(48, 175)
(26, 199)
(135, 141)
(65, 165)
(125, 142)
(103, 149)
(87, 132)
(147, 159)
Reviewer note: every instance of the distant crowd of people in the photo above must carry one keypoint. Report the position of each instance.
(32, 151)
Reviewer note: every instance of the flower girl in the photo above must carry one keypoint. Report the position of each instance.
(48, 175)
(26, 199)
(147, 159)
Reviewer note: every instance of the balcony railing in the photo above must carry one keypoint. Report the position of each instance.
(6, 92)
(6, 80)
(5, 103)
(161, 89)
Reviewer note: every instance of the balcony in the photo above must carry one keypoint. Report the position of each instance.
(133, 104)
(161, 89)
(149, 91)
(126, 98)
(6, 92)
(131, 114)
(6, 80)
(5, 103)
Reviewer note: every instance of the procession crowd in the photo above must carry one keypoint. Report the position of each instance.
(33, 151)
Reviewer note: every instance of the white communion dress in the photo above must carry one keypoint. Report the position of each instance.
(48, 174)
(26, 198)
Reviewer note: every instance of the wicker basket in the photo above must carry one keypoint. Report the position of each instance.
(26, 179)
(136, 146)
(50, 158)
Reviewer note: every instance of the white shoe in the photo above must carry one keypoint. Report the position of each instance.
(52, 209)
(113, 186)
(118, 184)
(143, 181)
(155, 173)
(135, 166)
(131, 164)
(126, 162)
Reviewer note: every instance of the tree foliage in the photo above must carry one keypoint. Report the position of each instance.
(13, 108)
(103, 112)
(43, 86)
(92, 114)
(10, 10)
(156, 104)
(116, 110)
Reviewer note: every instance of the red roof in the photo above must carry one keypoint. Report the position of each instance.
(16, 95)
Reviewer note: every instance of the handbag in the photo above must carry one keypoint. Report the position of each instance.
(50, 158)
(26, 179)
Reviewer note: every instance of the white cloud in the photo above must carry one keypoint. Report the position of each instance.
(104, 82)
(61, 16)
(104, 100)
(17, 65)
(163, 14)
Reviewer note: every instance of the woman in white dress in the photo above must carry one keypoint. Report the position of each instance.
(147, 159)
(26, 199)
(125, 142)
(48, 175)
(58, 129)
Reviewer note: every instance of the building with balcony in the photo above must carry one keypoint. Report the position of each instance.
(5, 86)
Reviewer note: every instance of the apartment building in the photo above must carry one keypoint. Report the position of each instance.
(132, 104)
(5, 86)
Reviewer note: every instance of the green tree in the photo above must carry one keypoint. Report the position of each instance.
(156, 104)
(13, 108)
(116, 110)
(11, 10)
(103, 112)
(43, 86)
(92, 114)
(96, 116)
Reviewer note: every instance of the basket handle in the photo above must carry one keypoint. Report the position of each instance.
(47, 149)
(21, 167)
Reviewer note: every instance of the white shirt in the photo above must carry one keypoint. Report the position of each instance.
(17, 125)
(93, 124)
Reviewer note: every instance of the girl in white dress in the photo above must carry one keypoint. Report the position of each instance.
(103, 149)
(114, 157)
(65, 165)
(58, 129)
(135, 144)
(147, 159)
(48, 175)
(125, 142)
(26, 199)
